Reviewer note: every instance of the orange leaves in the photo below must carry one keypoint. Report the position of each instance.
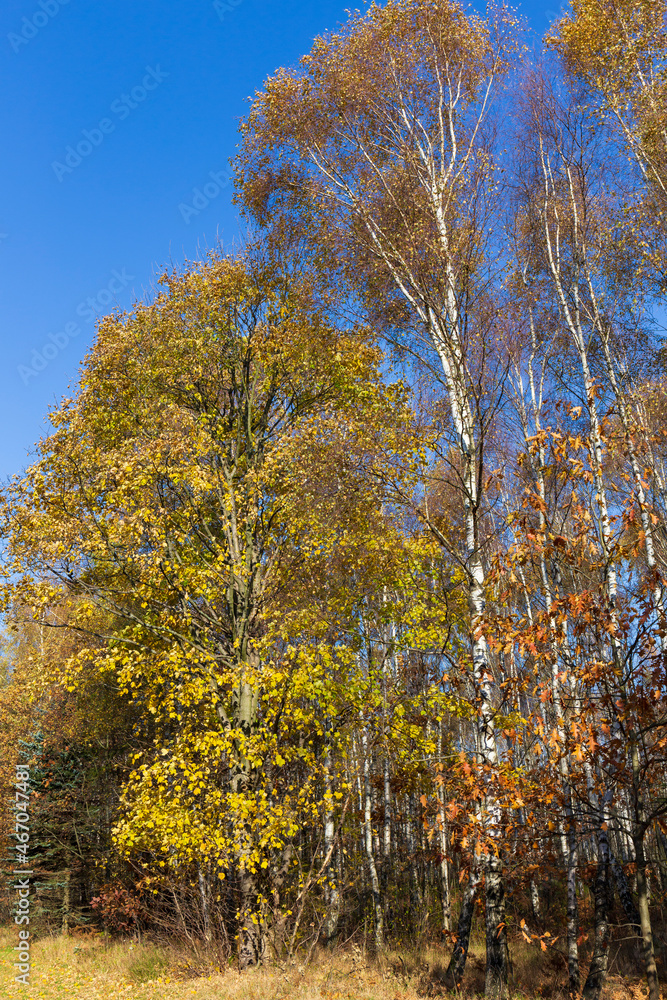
(452, 809)
(546, 940)
(536, 502)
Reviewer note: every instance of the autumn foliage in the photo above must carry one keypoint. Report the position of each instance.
(336, 595)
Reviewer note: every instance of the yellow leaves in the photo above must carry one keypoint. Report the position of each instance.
(618, 50)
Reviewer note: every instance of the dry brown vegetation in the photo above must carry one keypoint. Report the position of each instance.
(86, 967)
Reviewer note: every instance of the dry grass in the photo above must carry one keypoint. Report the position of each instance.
(85, 969)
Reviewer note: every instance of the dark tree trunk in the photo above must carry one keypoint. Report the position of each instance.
(645, 919)
(457, 962)
(252, 936)
(497, 959)
(597, 972)
(572, 920)
(625, 895)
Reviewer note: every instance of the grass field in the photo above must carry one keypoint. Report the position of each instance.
(79, 968)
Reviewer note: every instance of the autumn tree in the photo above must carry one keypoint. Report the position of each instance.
(384, 131)
(177, 498)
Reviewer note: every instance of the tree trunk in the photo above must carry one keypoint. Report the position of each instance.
(457, 962)
(251, 930)
(497, 959)
(597, 972)
(535, 901)
(378, 916)
(332, 893)
(560, 642)
(645, 920)
(625, 894)
(442, 834)
(416, 901)
(252, 936)
(203, 892)
(66, 904)
(572, 918)
(444, 865)
(386, 837)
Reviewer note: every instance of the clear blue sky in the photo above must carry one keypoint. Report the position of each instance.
(112, 115)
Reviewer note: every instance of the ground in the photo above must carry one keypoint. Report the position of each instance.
(86, 968)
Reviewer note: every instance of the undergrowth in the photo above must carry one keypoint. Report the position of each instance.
(89, 967)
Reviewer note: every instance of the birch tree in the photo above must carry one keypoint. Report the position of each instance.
(383, 134)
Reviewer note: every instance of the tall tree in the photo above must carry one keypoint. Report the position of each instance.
(384, 136)
(178, 495)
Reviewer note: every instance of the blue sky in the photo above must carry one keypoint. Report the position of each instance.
(113, 114)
